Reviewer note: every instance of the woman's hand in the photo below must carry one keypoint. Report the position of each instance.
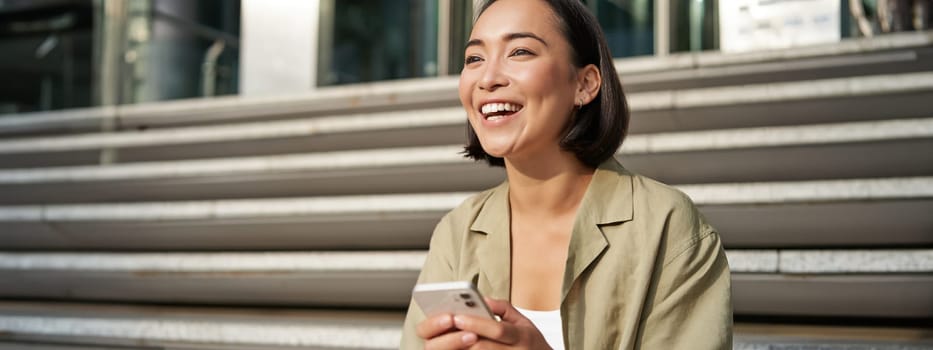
(439, 333)
(465, 332)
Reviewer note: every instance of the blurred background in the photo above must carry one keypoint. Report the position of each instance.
(266, 174)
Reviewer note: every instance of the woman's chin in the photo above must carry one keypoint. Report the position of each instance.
(498, 151)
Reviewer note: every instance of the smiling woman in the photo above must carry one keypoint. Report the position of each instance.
(557, 64)
(573, 250)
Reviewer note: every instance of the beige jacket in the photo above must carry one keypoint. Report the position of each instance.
(644, 269)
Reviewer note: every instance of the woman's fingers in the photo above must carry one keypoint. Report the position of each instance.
(504, 309)
(501, 332)
(462, 331)
(452, 340)
(434, 326)
(497, 307)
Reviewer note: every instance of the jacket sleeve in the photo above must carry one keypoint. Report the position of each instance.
(437, 268)
(691, 306)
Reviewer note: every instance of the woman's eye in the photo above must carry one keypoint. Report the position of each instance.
(520, 52)
(471, 59)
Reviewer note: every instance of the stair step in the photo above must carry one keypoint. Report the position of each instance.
(884, 148)
(176, 327)
(715, 59)
(795, 261)
(800, 336)
(46, 345)
(801, 282)
(777, 214)
(785, 153)
(816, 101)
(786, 261)
(325, 279)
(39, 326)
(840, 295)
(820, 67)
(346, 132)
(361, 98)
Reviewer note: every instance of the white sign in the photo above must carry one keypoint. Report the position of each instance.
(746, 25)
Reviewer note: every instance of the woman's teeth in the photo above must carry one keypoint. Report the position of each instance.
(496, 111)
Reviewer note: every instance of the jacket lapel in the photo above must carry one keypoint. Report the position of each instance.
(608, 200)
(495, 251)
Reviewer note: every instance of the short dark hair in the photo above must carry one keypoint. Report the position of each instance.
(598, 128)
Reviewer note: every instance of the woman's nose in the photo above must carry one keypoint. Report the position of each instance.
(493, 77)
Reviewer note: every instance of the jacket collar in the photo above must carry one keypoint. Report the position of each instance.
(494, 221)
(607, 200)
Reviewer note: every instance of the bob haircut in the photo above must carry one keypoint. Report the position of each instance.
(597, 129)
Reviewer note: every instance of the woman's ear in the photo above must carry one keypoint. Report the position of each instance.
(588, 82)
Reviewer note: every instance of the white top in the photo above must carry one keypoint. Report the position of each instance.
(549, 323)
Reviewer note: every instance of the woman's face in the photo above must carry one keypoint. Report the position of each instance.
(518, 84)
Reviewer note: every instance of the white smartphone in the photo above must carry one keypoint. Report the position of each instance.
(456, 298)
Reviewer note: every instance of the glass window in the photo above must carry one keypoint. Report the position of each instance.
(47, 51)
(628, 24)
(461, 24)
(865, 18)
(694, 25)
(79, 53)
(180, 49)
(369, 40)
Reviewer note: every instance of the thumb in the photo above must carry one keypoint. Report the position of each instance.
(505, 310)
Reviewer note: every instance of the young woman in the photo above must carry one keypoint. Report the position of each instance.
(573, 251)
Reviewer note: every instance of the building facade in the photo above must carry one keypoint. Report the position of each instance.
(79, 53)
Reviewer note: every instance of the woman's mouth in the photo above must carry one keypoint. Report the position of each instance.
(499, 110)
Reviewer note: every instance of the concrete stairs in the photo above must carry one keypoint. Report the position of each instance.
(302, 221)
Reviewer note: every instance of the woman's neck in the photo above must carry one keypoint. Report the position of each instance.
(549, 187)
